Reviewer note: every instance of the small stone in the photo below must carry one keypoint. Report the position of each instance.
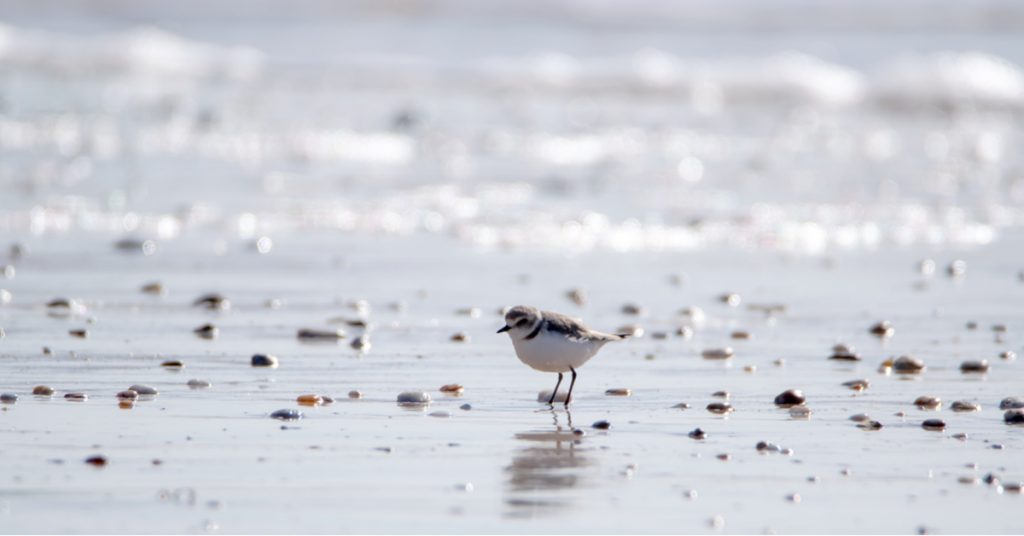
(440, 414)
(960, 436)
(213, 302)
(685, 332)
(793, 497)
(790, 398)
(80, 333)
(765, 447)
(723, 456)
(935, 425)
(971, 325)
(658, 336)
(964, 406)
(871, 426)
(127, 395)
(974, 366)
(310, 400)
(883, 329)
(198, 384)
(956, 268)
(144, 390)
(307, 334)
(207, 331)
(1014, 416)
(907, 365)
(730, 298)
(1012, 402)
(721, 394)
(577, 296)
(452, 389)
(173, 364)
(42, 390)
(857, 385)
(750, 368)
(800, 412)
(698, 434)
(842, 353)
(860, 417)
(1008, 355)
(720, 408)
(465, 407)
(718, 353)
(286, 415)
(681, 405)
(355, 395)
(621, 391)
(969, 480)
(928, 402)
(263, 360)
(632, 309)
(461, 336)
(76, 397)
(96, 461)
(413, 398)
(326, 400)
(601, 425)
(741, 335)
(8, 398)
(155, 288)
(361, 343)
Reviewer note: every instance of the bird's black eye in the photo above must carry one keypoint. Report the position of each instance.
(522, 322)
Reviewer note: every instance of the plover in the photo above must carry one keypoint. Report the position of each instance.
(551, 342)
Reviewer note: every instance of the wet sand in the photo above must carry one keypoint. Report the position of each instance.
(211, 460)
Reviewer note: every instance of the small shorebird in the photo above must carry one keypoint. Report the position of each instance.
(551, 342)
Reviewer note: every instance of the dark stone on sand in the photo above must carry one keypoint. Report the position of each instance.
(320, 334)
(413, 398)
(155, 288)
(632, 309)
(80, 333)
(43, 390)
(465, 407)
(96, 461)
(883, 329)
(461, 336)
(127, 395)
(213, 301)
(907, 365)
(286, 415)
(718, 353)
(844, 354)
(264, 360)
(974, 366)
(1014, 416)
(721, 394)
(790, 398)
(870, 426)
(730, 298)
(8, 398)
(198, 384)
(173, 364)
(1012, 402)
(207, 331)
(602, 425)
(720, 408)
(928, 402)
(1008, 355)
(144, 390)
(956, 268)
(697, 433)
(857, 385)
(77, 397)
(963, 406)
(935, 425)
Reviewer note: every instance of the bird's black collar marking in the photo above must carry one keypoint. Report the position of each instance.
(536, 330)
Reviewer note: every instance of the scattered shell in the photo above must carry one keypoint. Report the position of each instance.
(601, 425)
(741, 335)
(883, 329)
(718, 353)
(974, 366)
(8, 398)
(43, 390)
(452, 389)
(730, 298)
(1014, 416)
(935, 425)
(800, 412)
(461, 336)
(144, 390)
(156, 288)
(793, 497)
(361, 343)
(80, 333)
(750, 368)
(697, 433)
(632, 309)
(928, 402)
(857, 385)
(310, 400)
(621, 391)
(355, 395)
(173, 364)
(964, 406)
(765, 446)
(907, 365)
(263, 360)
(127, 395)
(577, 296)
(198, 384)
(76, 397)
(1012, 402)
(870, 425)
(213, 302)
(790, 398)
(413, 398)
(720, 408)
(842, 353)
(286, 415)
(96, 461)
(320, 334)
(207, 331)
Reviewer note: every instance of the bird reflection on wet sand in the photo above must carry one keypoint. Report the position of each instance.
(542, 472)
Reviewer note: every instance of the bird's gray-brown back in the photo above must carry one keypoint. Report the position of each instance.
(572, 328)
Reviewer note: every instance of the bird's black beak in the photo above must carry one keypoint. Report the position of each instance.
(504, 329)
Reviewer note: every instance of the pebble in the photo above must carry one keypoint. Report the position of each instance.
(964, 406)
(723, 456)
(308, 334)
(173, 364)
(461, 336)
(76, 397)
(883, 329)
(413, 398)
(440, 414)
(310, 400)
(730, 298)
(659, 335)
(750, 368)
(765, 447)
(956, 268)
(971, 325)
(465, 407)
(263, 360)
(685, 332)
(156, 288)
(96, 461)
(286, 415)
(718, 353)
(1013, 487)
(43, 390)
(80, 333)
(969, 480)
(621, 391)
(928, 402)
(800, 412)
(453, 389)
(632, 309)
(1013, 402)
(144, 390)
(198, 384)
(935, 425)
(601, 425)
(960, 436)
(135, 245)
(577, 296)
(127, 395)
(907, 365)
(857, 385)
(860, 417)
(790, 398)
(720, 408)
(355, 395)
(721, 394)
(1014, 416)
(843, 353)
(207, 331)
(697, 433)
(361, 343)
(8, 398)
(125, 403)
(870, 425)
(974, 366)
(213, 302)
(681, 405)
(742, 335)
(793, 497)
(1008, 355)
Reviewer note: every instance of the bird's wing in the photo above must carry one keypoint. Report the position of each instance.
(573, 328)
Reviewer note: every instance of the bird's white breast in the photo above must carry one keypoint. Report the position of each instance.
(553, 352)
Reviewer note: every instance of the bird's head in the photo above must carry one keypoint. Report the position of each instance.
(521, 320)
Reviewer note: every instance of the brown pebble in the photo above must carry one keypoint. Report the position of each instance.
(857, 385)
(698, 434)
(718, 353)
(213, 302)
(601, 425)
(452, 389)
(621, 391)
(80, 333)
(720, 408)
(907, 365)
(721, 394)
(632, 309)
(207, 331)
(577, 296)
(742, 335)
(461, 336)
(870, 425)
(1008, 355)
(76, 397)
(956, 268)
(307, 334)
(860, 417)
(43, 390)
(96, 461)
(154, 288)
(935, 425)
(125, 404)
(685, 332)
(928, 402)
(790, 398)
(974, 366)
(843, 354)
(883, 329)
(355, 395)
(723, 456)
(127, 394)
(173, 364)
(730, 298)
(309, 400)
(964, 406)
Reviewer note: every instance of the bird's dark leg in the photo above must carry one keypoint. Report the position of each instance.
(568, 397)
(554, 393)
